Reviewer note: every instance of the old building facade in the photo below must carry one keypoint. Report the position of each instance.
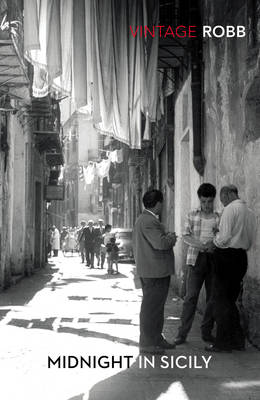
(209, 132)
(31, 149)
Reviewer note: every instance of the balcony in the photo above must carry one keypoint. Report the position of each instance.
(14, 78)
(47, 130)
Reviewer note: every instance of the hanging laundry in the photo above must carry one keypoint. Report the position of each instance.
(89, 173)
(31, 30)
(119, 156)
(160, 103)
(102, 168)
(152, 57)
(80, 173)
(147, 129)
(44, 50)
(107, 140)
(63, 83)
(116, 156)
(79, 54)
(61, 176)
(169, 84)
(113, 156)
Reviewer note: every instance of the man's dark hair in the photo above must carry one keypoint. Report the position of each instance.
(107, 226)
(206, 190)
(152, 197)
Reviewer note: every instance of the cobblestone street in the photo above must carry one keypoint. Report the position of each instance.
(69, 310)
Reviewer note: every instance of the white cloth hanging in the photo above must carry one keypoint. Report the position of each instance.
(89, 173)
(102, 168)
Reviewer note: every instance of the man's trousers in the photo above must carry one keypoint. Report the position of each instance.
(230, 268)
(90, 252)
(201, 272)
(155, 291)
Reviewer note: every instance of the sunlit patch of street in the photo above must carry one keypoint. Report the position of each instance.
(71, 333)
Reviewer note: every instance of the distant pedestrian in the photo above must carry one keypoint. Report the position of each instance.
(107, 235)
(153, 251)
(99, 231)
(72, 240)
(112, 255)
(63, 238)
(89, 240)
(81, 241)
(55, 241)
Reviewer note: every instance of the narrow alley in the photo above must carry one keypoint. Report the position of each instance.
(67, 310)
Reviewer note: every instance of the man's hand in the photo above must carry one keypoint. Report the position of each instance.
(209, 246)
(172, 236)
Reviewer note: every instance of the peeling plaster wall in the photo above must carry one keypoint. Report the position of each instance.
(29, 199)
(232, 148)
(187, 180)
(5, 203)
(18, 223)
(37, 239)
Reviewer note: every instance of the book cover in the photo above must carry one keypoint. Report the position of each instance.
(102, 101)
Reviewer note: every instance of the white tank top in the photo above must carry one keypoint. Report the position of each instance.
(206, 229)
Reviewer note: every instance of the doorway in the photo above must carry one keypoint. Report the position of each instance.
(37, 225)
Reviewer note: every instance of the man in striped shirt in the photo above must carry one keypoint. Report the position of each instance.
(200, 227)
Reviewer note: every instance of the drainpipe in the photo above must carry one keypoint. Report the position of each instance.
(197, 98)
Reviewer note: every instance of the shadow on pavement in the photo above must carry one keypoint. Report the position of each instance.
(25, 290)
(48, 323)
(63, 282)
(106, 276)
(155, 383)
(98, 335)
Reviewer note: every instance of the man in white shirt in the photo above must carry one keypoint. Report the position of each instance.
(236, 233)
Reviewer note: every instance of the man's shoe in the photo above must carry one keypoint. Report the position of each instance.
(209, 338)
(214, 349)
(166, 345)
(179, 340)
(156, 350)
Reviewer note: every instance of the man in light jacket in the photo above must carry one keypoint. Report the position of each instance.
(153, 250)
(55, 241)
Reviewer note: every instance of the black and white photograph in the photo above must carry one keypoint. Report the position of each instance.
(129, 199)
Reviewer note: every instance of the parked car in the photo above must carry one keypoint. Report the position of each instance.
(124, 241)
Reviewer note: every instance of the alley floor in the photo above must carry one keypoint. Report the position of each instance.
(66, 312)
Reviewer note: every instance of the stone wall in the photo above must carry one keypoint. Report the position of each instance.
(232, 134)
(187, 179)
(18, 201)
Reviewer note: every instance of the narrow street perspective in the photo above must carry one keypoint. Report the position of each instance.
(70, 312)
